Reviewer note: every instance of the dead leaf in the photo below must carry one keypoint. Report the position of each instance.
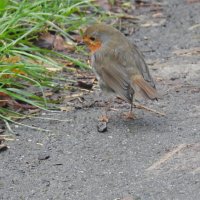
(104, 4)
(6, 100)
(51, 41)
(157, 15)
(58, 43)
(34, 111)
(46, 40)
(54, 69)
(187, 52)
(152, 23)
(65, 109)
(10, 59)
(47, 94)
(86, 84)
(193, 1)
(74, 96)
(69, 47)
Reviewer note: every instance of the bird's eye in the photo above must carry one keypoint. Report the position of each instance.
(92, 38)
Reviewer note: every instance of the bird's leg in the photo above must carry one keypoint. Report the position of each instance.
(104, 118)
(130, 114)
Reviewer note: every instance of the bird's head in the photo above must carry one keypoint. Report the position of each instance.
(97, 35)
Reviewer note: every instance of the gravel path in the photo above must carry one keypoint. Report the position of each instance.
(150, 158)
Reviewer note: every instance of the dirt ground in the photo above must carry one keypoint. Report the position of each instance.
(150, 158)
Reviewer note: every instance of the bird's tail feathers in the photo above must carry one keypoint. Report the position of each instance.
(145, 87)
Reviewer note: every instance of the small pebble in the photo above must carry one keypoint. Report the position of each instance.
(43, 156)
(3, 147)
(102, 127)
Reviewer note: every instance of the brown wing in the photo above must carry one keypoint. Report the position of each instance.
(118, 82)
(141, 65)
(129, 56)
(113, 76)
(135, 67)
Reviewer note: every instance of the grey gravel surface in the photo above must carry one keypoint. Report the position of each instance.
(152, 157)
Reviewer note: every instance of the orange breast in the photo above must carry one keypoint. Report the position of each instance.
(94, 46)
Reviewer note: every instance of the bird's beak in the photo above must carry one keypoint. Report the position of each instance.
(86, 40)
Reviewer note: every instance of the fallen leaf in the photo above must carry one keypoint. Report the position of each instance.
(157, 15)
(86, 84)
(6, 100)
(54, 69)
(74, 96)
(104, 4)
(51, 41)
(46, 40)
(59, 43)
(47, 94)
(10, 59)
(65, 109)
(187, 52)
(193, 1)
(152, 23)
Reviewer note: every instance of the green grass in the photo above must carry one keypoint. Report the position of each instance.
(22, 64)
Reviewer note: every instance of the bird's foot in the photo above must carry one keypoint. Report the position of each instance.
(104, 118)
(129, 115)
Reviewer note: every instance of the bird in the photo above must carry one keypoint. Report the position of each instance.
(118, 64)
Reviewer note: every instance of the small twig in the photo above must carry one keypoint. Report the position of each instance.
(20, 124)
(113, 109)
(6, 138)
(139, 106)
(74, 96)
(196, 171)
(8, 126)
(166, 157)
(125, 16)
(43, 118)
(194, 26)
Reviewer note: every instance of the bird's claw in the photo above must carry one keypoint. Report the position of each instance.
(104, 118)
(129, 115)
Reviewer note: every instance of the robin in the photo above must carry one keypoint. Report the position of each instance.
(118, 64)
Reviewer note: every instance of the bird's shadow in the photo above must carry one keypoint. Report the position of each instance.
(144, 123)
